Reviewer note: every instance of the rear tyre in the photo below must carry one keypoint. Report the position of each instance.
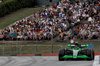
(61, 54)
(90, 53)
(93, 54)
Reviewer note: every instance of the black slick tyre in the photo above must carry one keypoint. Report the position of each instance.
(90, 54)
(61, 54)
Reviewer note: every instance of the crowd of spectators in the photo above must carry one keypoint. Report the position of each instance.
(90, 29)
(58, 20)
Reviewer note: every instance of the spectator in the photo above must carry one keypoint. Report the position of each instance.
(62, 18)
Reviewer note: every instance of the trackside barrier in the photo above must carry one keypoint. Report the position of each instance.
(26, 55)
(91, 46)
(54, 54)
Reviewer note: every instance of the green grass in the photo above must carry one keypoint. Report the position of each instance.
(18, 15)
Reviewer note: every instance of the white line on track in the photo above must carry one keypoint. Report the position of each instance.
(96, 61)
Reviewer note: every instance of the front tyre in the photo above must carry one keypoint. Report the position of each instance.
(61, 54)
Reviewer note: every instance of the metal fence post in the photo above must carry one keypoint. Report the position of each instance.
(17, 47)
(32, 48)
(52, 41)
(36, 43)
(20, 50)
(3, 51)
(83, 38)
(11, 50)
(99, 43)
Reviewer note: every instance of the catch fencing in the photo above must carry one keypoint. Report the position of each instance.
(14, 48)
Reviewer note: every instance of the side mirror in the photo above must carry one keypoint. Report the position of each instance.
(87, 45)
(69, 45)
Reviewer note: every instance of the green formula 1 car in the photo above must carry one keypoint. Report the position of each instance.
(76, 51)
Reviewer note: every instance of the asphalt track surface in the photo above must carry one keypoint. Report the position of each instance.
(41, 61)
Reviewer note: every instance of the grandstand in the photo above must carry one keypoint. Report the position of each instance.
(73, 19)
(62, 18)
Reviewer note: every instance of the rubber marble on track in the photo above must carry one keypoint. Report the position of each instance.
(41, 61)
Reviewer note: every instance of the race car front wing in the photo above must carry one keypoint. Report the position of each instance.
(68, 56)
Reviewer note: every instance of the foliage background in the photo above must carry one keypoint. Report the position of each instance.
(10, 6)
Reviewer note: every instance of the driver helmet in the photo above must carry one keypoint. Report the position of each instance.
(76, 42)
